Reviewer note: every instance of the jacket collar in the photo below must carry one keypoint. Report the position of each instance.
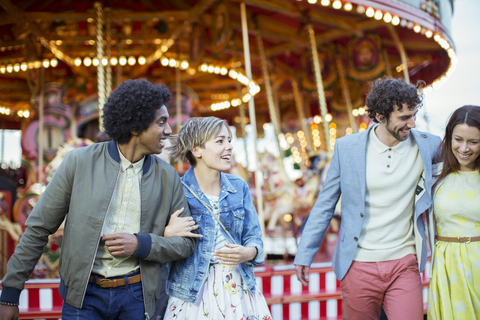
(225, 185)
(113, 152)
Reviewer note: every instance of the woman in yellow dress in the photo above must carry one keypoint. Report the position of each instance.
(455, 285)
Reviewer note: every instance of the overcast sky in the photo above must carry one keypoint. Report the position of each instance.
(463, 87)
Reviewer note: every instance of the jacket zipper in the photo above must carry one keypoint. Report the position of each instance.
(104, 219)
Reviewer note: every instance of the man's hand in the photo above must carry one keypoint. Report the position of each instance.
(121, 244)
(181, 227)
(303, 273)
(8, 312)
(235, 254)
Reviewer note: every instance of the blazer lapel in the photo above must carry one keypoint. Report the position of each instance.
(424, 149)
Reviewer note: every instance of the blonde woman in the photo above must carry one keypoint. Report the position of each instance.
(217, 281)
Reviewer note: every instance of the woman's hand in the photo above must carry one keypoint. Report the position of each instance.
(235, 254)
(181, 227)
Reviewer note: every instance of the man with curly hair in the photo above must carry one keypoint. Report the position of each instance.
(117, 199)
(384, 176)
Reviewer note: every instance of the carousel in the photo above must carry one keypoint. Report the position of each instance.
(290, 76)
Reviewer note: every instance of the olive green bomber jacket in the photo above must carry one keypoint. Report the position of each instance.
(83, 188)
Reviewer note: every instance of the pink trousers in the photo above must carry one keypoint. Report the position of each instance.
(394, 284)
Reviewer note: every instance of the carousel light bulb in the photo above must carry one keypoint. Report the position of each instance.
(216, 70)
(328, 117)
(378, 15)
(312, 1)
(95, 61)
(113, 61)
(437, 37)
(20, 113)
(223, 71)
(53, 62)
(387, 17)
(370, 12)
(78, 62)
(87, 61)
(142, 60)
(26, 114)
(2, 69)
(325, 3)
(361, 111)
(246, 97)
(337, 4)
(46, 63)
(172, 62)
(204, 67)
(16, 67)
(347, 6)
(184, 64)
(417, 28)
(37, 64)
(233, 74)
(164, 61)
(428, 34)
(131, 61)
(360, 9)
(396, 20)
(317, 119)
(104, 61)
(210, 68)
(355, 112)
(24, 66)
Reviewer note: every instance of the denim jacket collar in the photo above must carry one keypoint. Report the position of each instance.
(191, 181)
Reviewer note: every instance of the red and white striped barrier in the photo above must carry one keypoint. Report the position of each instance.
(287, 298)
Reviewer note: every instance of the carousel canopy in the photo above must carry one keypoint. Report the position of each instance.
(357, 41)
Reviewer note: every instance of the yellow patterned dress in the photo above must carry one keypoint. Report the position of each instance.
(455, 285)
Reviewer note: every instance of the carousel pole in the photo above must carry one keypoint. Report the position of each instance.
(321, 93)
(346, 94)
(241, 107)
(253, 121)
(108, 36)
(271, 105)
(100, 71)
(119, 67)
(178, 99)
(401, 50)
(40, 126)
(300, 112)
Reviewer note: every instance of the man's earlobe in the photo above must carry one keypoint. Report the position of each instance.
(379, 117)
(134, 133)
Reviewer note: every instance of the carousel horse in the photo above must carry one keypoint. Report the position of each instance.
(282, 196)
(279, 191)
(12, 228)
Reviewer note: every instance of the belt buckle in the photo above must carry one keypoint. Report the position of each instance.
(469, 240)
(101, 282)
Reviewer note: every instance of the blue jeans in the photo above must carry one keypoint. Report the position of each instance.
(122, 303)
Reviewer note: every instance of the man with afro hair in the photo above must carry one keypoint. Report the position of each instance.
(121, 206)
(384, 176)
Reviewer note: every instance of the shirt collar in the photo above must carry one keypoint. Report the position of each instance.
(380, 147)
(125, 164)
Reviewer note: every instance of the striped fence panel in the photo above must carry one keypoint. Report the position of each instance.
(286, 297)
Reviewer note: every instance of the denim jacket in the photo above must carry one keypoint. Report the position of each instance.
(239, 217)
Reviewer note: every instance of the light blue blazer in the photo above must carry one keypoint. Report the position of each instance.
(347, 177)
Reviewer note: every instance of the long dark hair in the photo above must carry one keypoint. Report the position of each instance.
(469, 115)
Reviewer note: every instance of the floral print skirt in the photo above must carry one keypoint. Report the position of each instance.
(223, 295)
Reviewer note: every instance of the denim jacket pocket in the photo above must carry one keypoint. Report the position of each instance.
(239, 213)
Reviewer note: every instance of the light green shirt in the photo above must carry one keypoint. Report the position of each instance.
(123, 216)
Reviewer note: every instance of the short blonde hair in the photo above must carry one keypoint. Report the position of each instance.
(195, 133)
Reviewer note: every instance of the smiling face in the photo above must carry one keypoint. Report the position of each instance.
(152, 140)
(398, 125)
(466, 145)
(216, 153)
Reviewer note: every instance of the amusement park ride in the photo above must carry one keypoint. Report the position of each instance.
(301, 65)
